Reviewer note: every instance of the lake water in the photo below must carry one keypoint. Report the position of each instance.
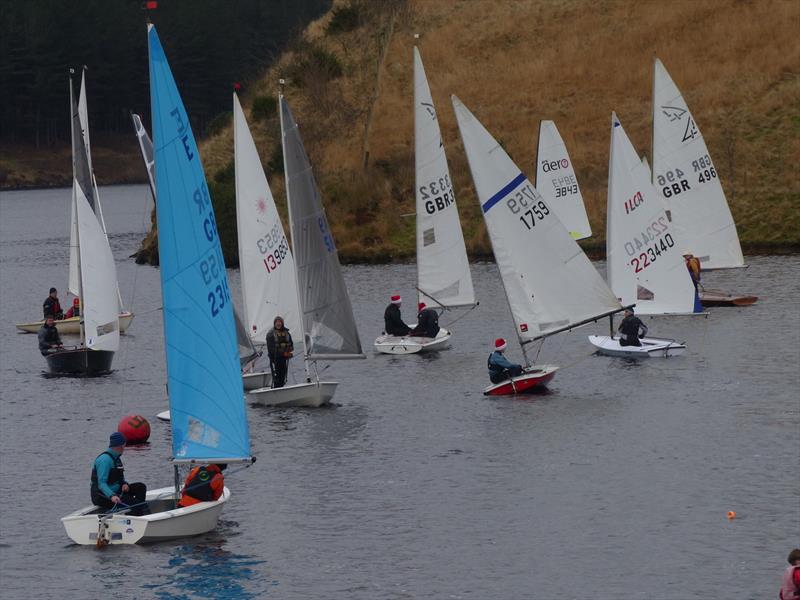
(613, 485)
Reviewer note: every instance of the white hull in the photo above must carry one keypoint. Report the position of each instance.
(255, 381)
(73, 326)
(163, 416)
(308, 395)
(651, 347)
(84, 526)
(393, 344)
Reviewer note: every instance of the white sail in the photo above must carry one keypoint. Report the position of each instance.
(146, 148)
(684, 175)
(645, 265)
(269, 287)
(549, 281)
(98, 279)
(329, 326)
(83, 115)
(443, 276)
(557, 183)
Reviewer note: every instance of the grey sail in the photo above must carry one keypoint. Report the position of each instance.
(247, 351)
(328, 321)
(80, 161)
(146, 146)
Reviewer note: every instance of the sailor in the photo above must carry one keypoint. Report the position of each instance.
(203, 484)
(500, 368)
(631, 329)
(52, 306)
(49, 340)
(427, 322)
(790, 581)
(693, 266)
(392, 321)
(109, 488)
(75, 309)
(280, 348)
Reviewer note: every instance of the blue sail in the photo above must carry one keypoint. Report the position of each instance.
(206, 397)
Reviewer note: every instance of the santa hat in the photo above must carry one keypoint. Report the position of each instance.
(421, 305)
(396, 299)
(500, 344)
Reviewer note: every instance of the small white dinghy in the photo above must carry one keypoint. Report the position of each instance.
(166, 522)
(207, 409)
(651, 347)
(444, 280)
(326, 323)
(410, 344)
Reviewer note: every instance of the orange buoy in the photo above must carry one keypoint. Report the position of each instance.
(731, 515)
(135, 428)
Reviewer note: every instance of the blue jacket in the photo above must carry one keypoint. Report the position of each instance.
(498, 362)
(103, 465)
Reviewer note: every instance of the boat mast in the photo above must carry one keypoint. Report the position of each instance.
(291, 229)
(73, 106)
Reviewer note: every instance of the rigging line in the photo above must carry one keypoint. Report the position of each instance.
(466, 312)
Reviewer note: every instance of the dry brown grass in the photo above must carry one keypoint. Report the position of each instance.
(513, 63)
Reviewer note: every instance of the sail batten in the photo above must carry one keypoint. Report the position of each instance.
(206, 397)
(328, 323)
(549, 282)
(686, 179)
(442, 263)
(556, 181)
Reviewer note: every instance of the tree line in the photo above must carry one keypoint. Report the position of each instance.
(210, 45)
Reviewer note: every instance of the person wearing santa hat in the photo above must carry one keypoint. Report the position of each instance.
(427, 322)
(500, 368)
(392, 321)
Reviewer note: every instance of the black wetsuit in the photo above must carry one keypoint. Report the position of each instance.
(392, 321)
(631, 329)
(428, 325)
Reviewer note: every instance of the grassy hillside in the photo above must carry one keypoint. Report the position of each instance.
(349, 81)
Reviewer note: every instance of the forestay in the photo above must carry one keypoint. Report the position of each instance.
(549, 281)
(269, 287)
(328, 322)
(443, 276)
(686, 178)
(557, 183)
(645, 265)
(98, 274)
(146, 147)
(204, 378)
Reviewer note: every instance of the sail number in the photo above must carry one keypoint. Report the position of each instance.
(528, 202)
(655, 230)
(704, 168)
(651, 254)
(438, 194)
(212, 270)
(273, 247)
(565, 186)
(673, 183)
(274, 259)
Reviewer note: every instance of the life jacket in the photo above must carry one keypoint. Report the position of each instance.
(283, 341)
(789, 591)
(115, 476)
(204, 484)
(629, 328)
(693, 264)
(494, 369)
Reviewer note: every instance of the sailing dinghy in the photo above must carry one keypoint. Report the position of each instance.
(327, 324)
(92, 195)
(96, 275)
(443, 276)
(557, 183)
(550, 285)
(269, 288)
(209, 422)
(644, 261)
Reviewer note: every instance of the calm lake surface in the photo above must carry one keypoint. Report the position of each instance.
(614, 485)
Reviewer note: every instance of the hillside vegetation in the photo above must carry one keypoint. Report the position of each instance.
(349, 82)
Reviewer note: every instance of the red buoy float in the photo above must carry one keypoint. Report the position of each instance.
(135, 428)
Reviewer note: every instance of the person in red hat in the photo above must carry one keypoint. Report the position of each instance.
(427, 322)
(500, 368)
(75, 309)
(392, 320)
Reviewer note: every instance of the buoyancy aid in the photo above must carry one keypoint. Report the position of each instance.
(693, 264)
(789, 590)
(283, 341)
(115, 476)
(204, 484)
(494, 369)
